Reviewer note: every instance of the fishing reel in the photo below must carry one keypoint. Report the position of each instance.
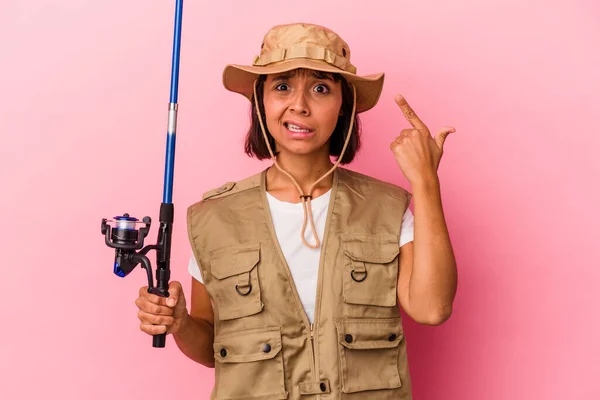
(126, 235)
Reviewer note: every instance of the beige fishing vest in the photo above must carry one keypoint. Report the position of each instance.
(265, 347)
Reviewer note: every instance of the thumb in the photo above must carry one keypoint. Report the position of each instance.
(175, 291)
(440, 138)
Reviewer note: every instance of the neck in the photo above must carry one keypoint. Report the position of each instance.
(306, 169)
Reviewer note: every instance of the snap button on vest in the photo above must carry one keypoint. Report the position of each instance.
(348, 338)
(312, 388)
(224, 188)
(266, 348)
(223, 353)
(392, 337)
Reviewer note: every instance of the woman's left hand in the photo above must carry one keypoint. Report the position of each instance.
(417, 153)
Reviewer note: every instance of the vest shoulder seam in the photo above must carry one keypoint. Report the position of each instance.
(375, 181)
(229, 188)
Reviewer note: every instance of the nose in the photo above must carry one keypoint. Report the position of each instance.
(299, 104)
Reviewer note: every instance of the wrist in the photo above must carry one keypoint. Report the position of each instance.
(426, 184)
(183, 323)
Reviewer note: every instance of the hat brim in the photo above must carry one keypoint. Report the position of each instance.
(240, 79)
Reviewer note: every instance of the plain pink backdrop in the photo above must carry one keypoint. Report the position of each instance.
(83, 107)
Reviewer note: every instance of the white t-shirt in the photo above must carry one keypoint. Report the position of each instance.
(302, 260)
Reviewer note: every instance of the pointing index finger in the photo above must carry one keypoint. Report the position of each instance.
(409, 113)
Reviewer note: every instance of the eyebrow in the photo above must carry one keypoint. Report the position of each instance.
(322, 75)
(316, 74)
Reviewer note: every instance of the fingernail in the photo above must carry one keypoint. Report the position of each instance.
(170, 302)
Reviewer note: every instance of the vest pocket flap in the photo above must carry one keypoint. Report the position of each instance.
(372, 249)
(234, 260)
(370, 333)
(248, 345)
(369, 350)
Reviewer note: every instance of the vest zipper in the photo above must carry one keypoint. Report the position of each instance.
(311, 326)
(314, 355)
(312, 346)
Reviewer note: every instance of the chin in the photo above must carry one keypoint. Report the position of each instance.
(303, 150)
(301, 147)
(300, 151)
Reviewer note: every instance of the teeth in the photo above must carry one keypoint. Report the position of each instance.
(295, 128)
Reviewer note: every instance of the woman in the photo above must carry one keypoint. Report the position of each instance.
(298, 269)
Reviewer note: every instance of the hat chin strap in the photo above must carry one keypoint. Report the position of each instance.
(306, 198)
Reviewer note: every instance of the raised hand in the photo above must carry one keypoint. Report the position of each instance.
(417, 153)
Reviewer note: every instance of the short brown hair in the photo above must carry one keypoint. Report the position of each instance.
(255, 145)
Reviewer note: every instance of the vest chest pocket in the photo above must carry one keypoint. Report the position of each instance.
(370, 270)
(250, 365)
(368, 353)
(236, 287)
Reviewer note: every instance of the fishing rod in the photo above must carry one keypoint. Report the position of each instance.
(126, 234)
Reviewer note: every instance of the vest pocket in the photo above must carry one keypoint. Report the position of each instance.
(236, 287)
(370, 269)
(250, 365)
(368, 353)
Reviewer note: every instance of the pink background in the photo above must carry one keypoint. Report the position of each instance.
(83, 117)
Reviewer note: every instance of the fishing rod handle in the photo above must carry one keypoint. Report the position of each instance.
(159, 340)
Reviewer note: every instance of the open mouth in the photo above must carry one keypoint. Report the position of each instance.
(298, 129)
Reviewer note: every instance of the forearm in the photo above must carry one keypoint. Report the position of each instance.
(433, 280)
(195, 339)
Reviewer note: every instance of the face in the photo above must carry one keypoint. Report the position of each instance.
(302, 108)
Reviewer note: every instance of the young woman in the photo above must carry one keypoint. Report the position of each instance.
(299, 270)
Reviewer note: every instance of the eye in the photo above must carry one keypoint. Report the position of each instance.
(321, 89)
(282, 87)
